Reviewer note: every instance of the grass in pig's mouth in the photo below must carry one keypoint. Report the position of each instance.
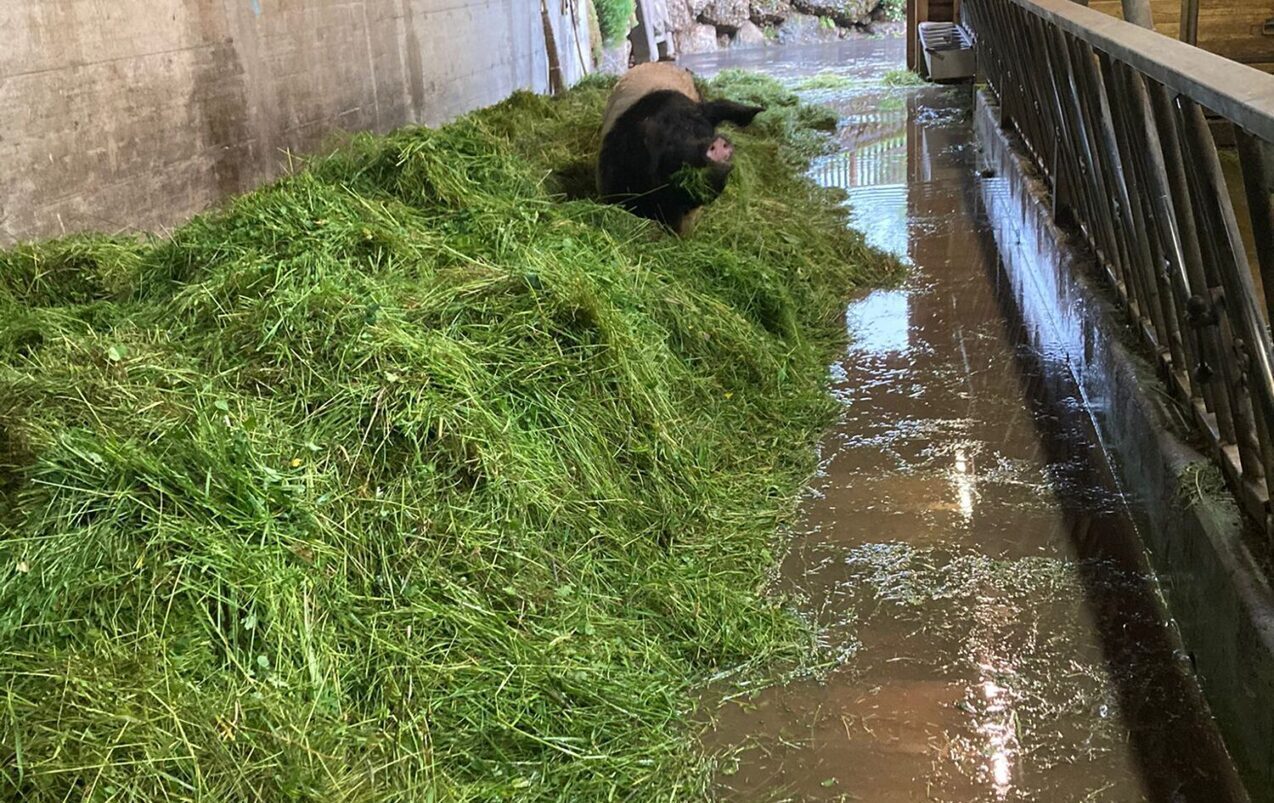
(694, 181)
(406, 478)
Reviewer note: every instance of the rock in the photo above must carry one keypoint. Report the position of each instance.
(891, 29)
(726, 14)
(723, 40)
(697, 6)
(844, 12)
(769, 12)
(680, 17)
(750, 35)
(803, 29)
(698, 38)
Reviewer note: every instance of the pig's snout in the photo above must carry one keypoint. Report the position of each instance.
(720, 150)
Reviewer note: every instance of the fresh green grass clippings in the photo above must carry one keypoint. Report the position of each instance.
(801, 127)
(831, 80)
(415, 475)
(695, 182)
(902, 78)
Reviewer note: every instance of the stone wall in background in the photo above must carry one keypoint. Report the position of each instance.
(707, 25)
(135, 114)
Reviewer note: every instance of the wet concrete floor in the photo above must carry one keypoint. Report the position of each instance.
(963, 548)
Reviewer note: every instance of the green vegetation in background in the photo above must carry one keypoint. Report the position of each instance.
(614, 17)
(594, 32)
(414, 475)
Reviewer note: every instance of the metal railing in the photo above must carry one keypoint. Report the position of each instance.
(1113, 115)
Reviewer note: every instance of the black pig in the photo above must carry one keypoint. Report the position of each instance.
(661, 156)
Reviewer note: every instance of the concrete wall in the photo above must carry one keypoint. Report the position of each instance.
(135, 114)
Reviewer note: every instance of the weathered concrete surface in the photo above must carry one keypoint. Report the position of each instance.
(135, 114)
(1218, 596)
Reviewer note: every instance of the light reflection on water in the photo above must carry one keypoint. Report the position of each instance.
(871, 168)
(938, 553)
(879, 323)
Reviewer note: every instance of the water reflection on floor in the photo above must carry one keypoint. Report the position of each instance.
(961, 549)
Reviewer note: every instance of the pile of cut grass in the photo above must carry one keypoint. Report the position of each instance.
(787, 119)
(407, 477)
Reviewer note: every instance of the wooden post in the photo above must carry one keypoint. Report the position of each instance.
(911, 33)
(917, 12)
(557, 84)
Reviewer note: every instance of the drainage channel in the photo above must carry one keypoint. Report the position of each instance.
(963, 545)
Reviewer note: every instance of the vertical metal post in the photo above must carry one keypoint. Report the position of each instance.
(1200, 316)
(1189, 22)
(1138, 13)
(1142, 262)
(1253, 396)
(1153, 190)
(1257, 160)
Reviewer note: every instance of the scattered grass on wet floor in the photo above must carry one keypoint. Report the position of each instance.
(1018, 623)
(828, 80)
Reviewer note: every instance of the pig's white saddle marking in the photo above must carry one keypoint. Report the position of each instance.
(640, 81)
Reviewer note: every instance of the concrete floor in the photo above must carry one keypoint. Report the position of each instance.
(998, 638)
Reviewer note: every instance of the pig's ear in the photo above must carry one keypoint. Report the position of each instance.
(727, 111)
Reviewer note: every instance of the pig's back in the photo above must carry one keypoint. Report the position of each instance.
(640, 81)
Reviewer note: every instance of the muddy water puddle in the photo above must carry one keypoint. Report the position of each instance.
(963, 550)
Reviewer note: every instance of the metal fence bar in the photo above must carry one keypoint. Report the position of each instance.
(1257, 160)
(1112, 114)
(1240, 93)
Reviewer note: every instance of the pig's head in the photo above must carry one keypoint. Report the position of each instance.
(663, 157)
(687, 152)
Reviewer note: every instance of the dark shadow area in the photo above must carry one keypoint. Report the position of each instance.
(576, 181)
